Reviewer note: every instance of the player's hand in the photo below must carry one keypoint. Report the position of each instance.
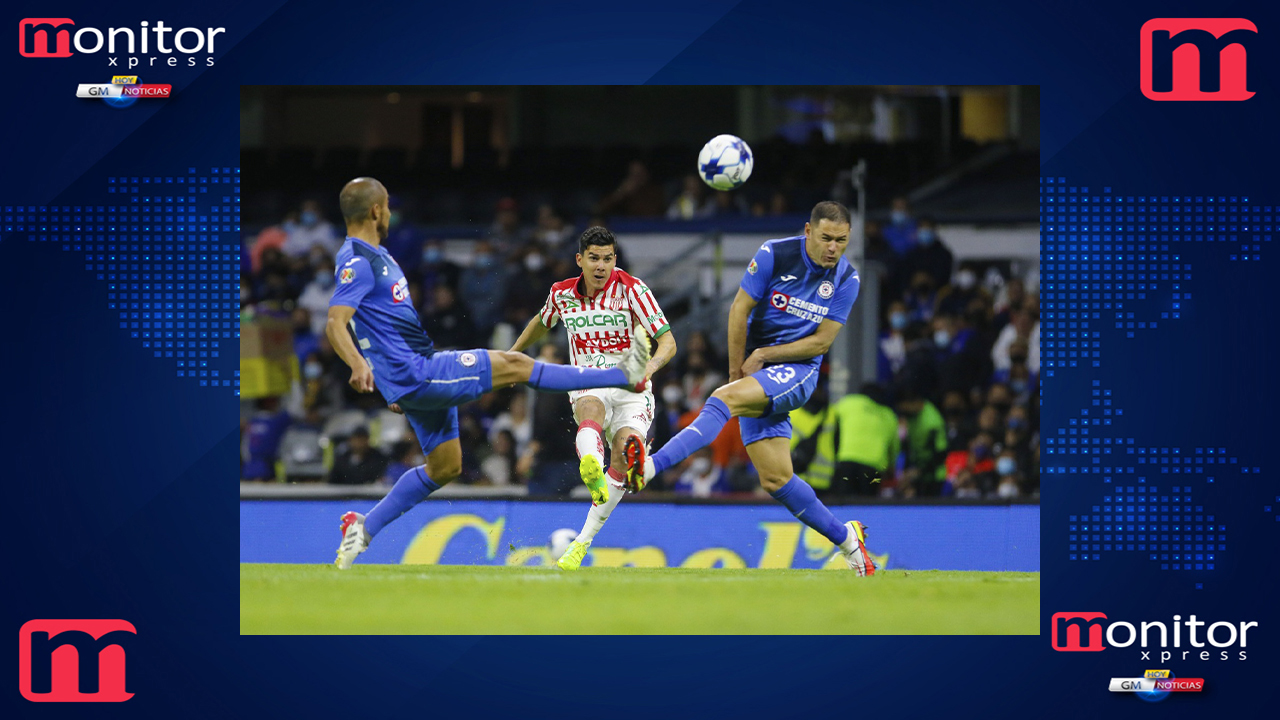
(395, 408)
(754, 364)
(362, 378)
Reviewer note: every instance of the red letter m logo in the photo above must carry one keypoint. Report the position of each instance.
(74, 660)
(1069, 632)
(1196, 58)
(40, 37)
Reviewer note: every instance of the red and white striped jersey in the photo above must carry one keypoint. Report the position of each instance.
(599, 327)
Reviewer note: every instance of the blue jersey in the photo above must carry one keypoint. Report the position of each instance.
(387, 329)
(794, 294)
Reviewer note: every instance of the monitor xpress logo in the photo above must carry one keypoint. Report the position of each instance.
(74, 660)
(143, 46)
(1196, 58)
(1084, 632)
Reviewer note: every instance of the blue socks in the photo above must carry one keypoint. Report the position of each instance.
(551, 377)
(412, 488)
(700, 433)
(800, 499)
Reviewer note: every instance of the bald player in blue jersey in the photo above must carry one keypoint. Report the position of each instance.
(375, 330)
(793, 300)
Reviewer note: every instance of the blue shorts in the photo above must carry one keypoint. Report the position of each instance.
(454, 377)
(788, 387)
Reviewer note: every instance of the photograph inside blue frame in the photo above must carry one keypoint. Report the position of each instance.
(799, 364)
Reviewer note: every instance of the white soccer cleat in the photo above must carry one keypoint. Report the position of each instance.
(857, 557)
(354, 540)
(635, 358)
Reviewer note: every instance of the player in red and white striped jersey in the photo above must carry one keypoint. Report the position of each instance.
(599, 309)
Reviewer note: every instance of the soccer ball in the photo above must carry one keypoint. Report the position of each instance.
(559, 542)
(725, 162)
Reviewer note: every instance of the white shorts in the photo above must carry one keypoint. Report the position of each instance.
(622, 409)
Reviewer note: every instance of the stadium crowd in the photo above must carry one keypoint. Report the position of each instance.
(954, 411)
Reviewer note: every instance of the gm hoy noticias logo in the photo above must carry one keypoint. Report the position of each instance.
(1176, 640)
(145, 45)
(1187, 59)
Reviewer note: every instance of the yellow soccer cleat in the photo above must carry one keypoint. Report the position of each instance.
(572, 558)
(593, 477)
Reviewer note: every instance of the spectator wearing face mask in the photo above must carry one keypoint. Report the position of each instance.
(960, 361)
(527, 288)
(483, 288)
(701, 476)
(891, 350)
(433, 269)
(901, 230)
(930, 256)
(1008, 481)
(310, 231)
(666, 417)
(955, 299)
(981, 463)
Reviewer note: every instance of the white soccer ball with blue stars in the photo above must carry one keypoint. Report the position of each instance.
(559, 542)
(725, 162)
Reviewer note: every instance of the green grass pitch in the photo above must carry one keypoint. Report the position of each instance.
(473, 600)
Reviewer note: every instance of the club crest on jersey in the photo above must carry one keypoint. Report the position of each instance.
(467, 359)
(752, 268)
(615, 304)
(347, 275)
(400, 291)
(826, 290)
(779, 300)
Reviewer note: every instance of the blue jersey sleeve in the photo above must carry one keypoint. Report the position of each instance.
(354, 280)
(755, 281)
(842, 303)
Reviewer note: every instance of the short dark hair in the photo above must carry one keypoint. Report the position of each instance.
(359, 197)
(596, 236)
(830, 210)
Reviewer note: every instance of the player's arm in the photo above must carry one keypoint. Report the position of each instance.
(336, 329)
(805, 348)
(741, 309)
(662, 354)
(646, 312)
(539, 324)
(533, 332)
(752, 289)
(820, 341)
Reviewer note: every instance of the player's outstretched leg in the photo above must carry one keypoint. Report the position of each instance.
(741, 397)
(510, 367)
(414, 486)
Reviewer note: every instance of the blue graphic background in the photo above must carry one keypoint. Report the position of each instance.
(119, 469)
